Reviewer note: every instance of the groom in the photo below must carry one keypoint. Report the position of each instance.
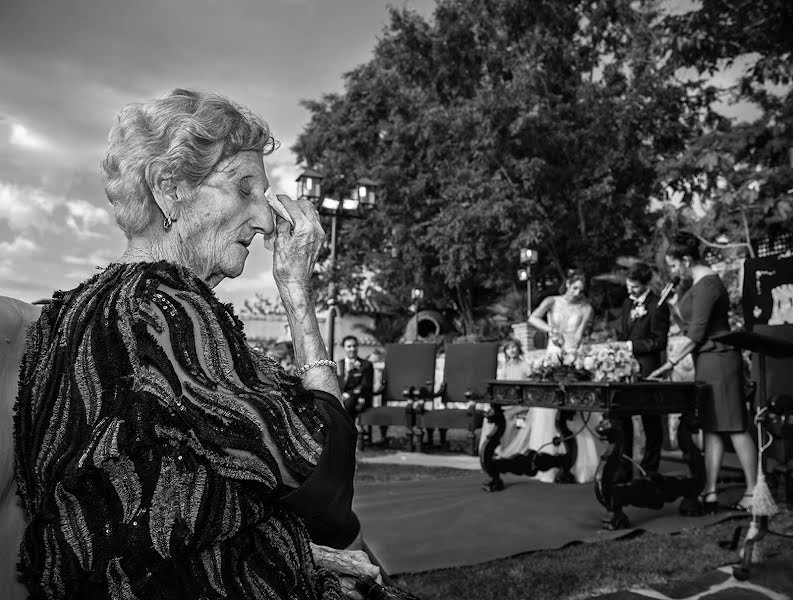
(645, 326)
(356, 378)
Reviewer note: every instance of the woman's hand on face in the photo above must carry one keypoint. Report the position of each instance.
(295, 249)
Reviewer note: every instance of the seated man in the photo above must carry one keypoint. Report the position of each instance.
(15, 315)
(356, 378)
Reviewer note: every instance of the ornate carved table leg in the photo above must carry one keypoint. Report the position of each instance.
(690, 505)
(567, 460)
(496, 416)
(608, 473)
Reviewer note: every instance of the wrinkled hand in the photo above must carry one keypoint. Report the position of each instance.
(295, 248)
(348, 565)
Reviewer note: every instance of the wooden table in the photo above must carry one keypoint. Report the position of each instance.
(612, 401)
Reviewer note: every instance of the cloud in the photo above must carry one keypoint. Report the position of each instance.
(83, 217)
(31, 208)
(282, 174)
(22, 136)
(25, 207)
(19, 246)
(99, 258)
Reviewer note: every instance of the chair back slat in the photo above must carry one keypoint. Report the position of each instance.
(466, 366)
(407, 365)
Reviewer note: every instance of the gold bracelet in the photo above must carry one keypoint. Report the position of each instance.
(316, 363)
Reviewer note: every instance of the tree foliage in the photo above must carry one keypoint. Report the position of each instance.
(742, 173)
(504, 124)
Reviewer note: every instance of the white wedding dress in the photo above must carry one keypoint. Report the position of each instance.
(539, 429)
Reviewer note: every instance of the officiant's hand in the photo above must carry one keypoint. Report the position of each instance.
(661, 372)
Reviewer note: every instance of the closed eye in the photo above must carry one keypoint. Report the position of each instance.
(246, 186)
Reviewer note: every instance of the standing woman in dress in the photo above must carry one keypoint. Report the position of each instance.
(565, 318)
(704, 312)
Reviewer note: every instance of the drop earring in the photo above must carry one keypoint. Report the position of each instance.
(167, 222)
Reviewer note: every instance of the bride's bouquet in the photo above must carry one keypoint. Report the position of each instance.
(610, 362)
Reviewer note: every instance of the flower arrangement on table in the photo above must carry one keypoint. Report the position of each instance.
(610, 362)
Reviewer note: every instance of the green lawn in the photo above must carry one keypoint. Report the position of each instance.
(578, 570)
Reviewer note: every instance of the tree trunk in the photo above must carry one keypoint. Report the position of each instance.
(466, 309)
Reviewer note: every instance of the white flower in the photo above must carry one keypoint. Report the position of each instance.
(637, 312)
(589, 363)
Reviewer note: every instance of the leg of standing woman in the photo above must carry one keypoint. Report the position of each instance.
(714, 454)
(747, 455)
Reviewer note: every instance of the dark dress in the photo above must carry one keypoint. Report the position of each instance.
(158, 456)
(704, 311)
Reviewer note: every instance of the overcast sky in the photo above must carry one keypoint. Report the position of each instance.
(68, 66)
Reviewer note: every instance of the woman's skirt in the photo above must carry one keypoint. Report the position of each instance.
(724, 408)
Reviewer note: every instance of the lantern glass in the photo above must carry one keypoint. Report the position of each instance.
(330, 204)
(365, 191)
(350, 204)
(308, 185)
(529, 256)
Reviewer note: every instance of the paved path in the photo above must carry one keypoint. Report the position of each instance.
(770, 580)
(454, 461)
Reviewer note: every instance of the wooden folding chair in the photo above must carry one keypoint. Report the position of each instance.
(465, 369)
(409, 376)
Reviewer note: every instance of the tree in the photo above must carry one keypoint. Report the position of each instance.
(498, 125)
(741, 172)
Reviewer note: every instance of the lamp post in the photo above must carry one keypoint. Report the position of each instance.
(363, 197)
(416, 295)
(528, 257)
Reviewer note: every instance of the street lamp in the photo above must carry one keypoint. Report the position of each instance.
(362, 200)
(416, 295)
(528, 257)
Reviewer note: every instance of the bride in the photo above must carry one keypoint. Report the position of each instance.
(565, 318)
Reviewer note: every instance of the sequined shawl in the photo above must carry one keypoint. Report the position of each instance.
(153, 446)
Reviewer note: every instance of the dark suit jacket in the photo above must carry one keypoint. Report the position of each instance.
(358, 382)
(648, 333)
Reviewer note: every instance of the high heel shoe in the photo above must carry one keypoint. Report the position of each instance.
(737, 506)
(709, 501)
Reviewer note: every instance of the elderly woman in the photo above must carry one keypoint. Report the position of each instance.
(157, 456)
